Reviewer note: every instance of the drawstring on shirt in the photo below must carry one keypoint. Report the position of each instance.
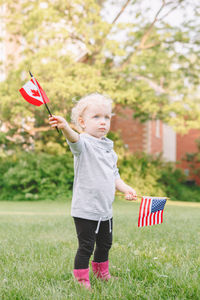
(98, 225)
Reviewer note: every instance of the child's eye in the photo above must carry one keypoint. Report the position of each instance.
(108, 117)
(96, 116)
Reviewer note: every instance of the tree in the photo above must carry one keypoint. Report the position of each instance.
(145, 63)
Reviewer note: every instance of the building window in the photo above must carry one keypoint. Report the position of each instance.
(187, 172)
(158, 128)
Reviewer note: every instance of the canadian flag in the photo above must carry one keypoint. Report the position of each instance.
(33, 93)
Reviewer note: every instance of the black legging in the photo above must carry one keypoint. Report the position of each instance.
(87, 237)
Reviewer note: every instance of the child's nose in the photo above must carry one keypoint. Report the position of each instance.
(103, 121)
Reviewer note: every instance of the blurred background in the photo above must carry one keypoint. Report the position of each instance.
(143, 54)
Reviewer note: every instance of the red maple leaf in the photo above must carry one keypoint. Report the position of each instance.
(35, 93)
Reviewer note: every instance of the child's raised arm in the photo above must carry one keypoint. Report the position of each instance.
(61, 123)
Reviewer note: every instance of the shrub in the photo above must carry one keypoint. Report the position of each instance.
(38, 176)
(31, 176)
(152, 176)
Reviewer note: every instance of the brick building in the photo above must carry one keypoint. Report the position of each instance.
(155, 137)
(186, 144)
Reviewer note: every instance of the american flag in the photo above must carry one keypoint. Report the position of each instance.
(151, 211)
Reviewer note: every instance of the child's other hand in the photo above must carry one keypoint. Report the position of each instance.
(130, 194)
(57, 121)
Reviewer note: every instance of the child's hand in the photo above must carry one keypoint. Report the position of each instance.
(130, 194)
(57, 121)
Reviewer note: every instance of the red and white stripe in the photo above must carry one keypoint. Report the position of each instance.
(146, 218)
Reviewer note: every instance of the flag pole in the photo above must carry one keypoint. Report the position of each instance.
(139, 196)
(42, 97)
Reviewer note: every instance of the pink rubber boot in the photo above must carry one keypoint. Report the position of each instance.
(82, 275)
(101, 270)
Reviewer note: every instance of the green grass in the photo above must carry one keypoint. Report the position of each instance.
(38, 244)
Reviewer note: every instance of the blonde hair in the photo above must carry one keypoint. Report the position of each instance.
(84, 102)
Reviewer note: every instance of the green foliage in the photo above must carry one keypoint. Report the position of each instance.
(33, 176)
(155, 178)
(152, 176)
(39, 176)
(143, 70)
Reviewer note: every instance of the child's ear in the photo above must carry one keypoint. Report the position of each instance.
(81, 122)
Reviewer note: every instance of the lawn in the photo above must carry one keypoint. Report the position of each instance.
(38, 244)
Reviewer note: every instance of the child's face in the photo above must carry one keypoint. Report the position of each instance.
(96, 120)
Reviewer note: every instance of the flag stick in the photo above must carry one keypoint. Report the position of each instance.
(139, 196)
(42, 97)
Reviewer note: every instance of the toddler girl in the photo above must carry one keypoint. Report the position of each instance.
(96, 178)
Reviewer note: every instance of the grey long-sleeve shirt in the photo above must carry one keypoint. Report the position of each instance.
(95, 172)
